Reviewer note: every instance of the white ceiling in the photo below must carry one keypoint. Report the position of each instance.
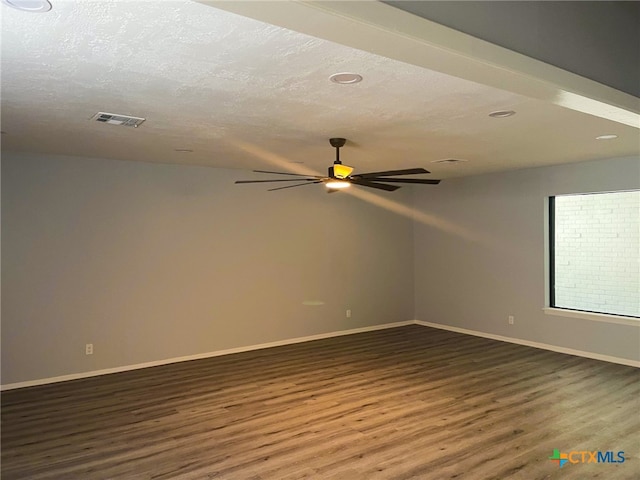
(242, 93)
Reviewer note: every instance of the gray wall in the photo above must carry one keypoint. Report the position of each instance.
(494, 265)
(599, 40)
(150, 262)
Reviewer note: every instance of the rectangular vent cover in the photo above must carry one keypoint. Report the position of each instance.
(117, 119)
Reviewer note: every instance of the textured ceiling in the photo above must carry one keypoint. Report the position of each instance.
(245, 94)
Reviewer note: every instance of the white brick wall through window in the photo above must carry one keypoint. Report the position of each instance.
(597, 252)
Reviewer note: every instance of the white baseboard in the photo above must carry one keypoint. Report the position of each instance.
(218, 353)
(544, 346)
(290, 341)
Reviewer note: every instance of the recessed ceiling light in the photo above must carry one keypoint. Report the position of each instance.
(449, 160)
(35, 6)
(345, 78)
(502, 113)
(610, 136)
(183, 150)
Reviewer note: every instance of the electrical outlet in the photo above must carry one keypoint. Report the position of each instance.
(88, 349)
(512, 319)
(349, 313)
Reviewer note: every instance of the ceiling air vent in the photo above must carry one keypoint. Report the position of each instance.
(449, 160)
(117, 119)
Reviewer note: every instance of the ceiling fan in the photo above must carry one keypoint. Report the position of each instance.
(339, 176)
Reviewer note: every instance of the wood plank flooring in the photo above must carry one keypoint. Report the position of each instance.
(404, 403)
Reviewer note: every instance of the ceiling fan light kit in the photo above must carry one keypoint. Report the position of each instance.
(339, 176)
(337, 184)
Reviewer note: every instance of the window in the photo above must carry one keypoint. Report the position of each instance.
(595, 252)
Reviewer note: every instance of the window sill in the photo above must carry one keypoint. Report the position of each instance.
(596, 317)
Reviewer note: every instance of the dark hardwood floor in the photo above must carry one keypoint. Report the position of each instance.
(405, 403)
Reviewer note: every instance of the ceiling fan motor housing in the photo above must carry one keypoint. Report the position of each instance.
(340, 171)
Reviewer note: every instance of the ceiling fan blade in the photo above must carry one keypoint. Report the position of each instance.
(379, 186)
(280, 180)
(427, 181)
(407, 171)
(286, 173)
(296, 185)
